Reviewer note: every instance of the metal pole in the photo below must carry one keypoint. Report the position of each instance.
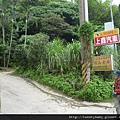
(111, 13)
(86, 10)
(114, 46)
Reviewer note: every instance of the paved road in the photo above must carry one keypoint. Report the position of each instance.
(19, 95)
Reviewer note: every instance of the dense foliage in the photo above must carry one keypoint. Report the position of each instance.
(40, 38)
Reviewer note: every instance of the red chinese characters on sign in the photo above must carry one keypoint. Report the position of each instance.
(106, 37)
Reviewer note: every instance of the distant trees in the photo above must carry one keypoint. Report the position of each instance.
(20, 18)
(55, 26)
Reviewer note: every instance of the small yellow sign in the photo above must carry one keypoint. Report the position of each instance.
(103, 63)
(106, 33)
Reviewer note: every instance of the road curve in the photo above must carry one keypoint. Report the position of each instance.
(20, 95)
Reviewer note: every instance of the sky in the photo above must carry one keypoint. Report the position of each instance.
(116, 2)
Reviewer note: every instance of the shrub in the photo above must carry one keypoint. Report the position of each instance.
(96, 90)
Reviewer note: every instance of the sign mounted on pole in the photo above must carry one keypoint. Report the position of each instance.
(103, 63)
(106, 37)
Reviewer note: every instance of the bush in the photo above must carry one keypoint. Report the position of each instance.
(29, 74)
(96, 90)
(19, 70)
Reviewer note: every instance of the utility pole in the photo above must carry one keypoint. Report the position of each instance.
(114, 46)
(83, 11)
(111, 14)
(85, 59)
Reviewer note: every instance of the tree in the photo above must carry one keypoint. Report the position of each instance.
(99, 11)
(36, 53)
(67, 10)
(55, 18)
(25, 8)
(55, 26)
(12, 18)
(4, 4)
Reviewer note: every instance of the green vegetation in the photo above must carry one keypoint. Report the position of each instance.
(41, 40)
(61, 70)
(71, 84)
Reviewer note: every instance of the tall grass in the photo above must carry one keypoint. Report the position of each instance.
(61, 56)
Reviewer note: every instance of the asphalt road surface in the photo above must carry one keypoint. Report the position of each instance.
(20, 95)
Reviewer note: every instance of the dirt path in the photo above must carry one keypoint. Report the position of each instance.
(19, 95)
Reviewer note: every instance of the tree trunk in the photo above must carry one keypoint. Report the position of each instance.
(3, 33)
(10, 45)
(25, 33)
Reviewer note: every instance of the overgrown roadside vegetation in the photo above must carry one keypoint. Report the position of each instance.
(40, 40)
(59, 67)
(71, 84)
